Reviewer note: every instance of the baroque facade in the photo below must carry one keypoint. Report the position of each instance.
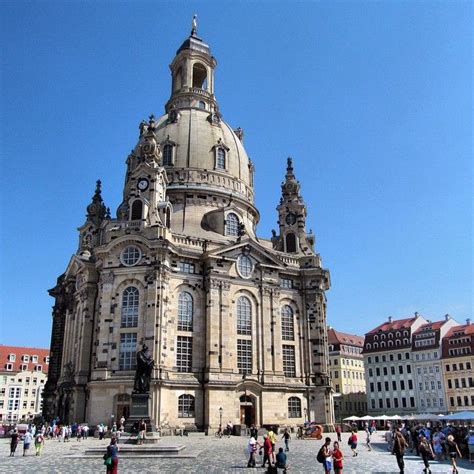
(233, 321)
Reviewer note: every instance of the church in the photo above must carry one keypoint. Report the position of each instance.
(235, 323)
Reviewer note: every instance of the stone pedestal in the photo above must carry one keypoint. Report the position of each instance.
(139, 409)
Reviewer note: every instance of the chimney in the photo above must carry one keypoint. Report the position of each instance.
(447, 317)
(416, 314)
(468, 321)
(390, 319)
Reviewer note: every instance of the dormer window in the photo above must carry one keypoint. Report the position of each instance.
(34, 359)
(9, 367)
(12, 357)
(25, 358)
(232, 224)
(220, 159)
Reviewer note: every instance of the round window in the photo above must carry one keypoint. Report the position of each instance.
(245, 266)
(130, 256)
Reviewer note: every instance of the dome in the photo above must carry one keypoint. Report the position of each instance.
(201, 151)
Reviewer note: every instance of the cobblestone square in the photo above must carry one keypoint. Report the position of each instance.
(213, 455)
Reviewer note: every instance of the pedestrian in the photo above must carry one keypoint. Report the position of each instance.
(426, 452)
(352, 442)
(272, 437)
(338, 432)
(122, 424)
(286, 437)
(27, 439)
(85, 431)
(454, 452)
(252, 450)
(141, 431)
(254, 432)
(39, 443)
(367, 438)
(111, 457)
(281, 460)
(399, 446)
(327, 454)
(79, 432)
(13, 442)
(337, 458)
(267, 451)
(100, 428)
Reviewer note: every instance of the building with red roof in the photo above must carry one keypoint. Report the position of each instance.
(23, 374)
(458, 363)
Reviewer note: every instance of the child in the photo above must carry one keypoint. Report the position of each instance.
(337, 457)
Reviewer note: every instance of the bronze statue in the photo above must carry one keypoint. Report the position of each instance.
(145, 365)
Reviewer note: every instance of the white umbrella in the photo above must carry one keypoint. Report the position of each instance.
(462, 415)
(395, 417)
(352, 418)
(367, 418)
(382, 417)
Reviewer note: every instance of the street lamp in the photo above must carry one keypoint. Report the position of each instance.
(220, 417)
(305, 410)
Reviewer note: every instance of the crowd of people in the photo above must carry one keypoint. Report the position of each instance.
(266, 449)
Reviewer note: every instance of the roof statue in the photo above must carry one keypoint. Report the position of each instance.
(194, 27)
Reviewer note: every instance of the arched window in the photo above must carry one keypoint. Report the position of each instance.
(390, 336)
(376, 345)
(202, 105)
(232, 224)
(130, 304)
(382, 344)
(382, 336)
(405, 333)
(220, 159)
(185, 406)
(397, 342)
(287, 324)
(376, 338)
(290, 242)
(390, 343)
(294, 407)
(398, 334)
(167, 155)
(137, 210)
(199, 76)
(368, 346)
(185, 311)
(405, 341)
(244, 316)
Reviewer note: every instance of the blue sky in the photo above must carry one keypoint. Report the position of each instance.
(373, 100)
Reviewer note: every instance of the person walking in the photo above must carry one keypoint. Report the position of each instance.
(13, 442)
(367, 438)
(327, 455)
(399, 446)
(454, 452)
(338, 433)
(28, 438)
(426, 452)
(286, 437)
(272, 438)
(39, 443)
(252, 450)
(111, 457)
(267, 451)
(352, 442)
(337, 458)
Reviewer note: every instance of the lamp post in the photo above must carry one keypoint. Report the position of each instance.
(220, 417)
(305, 411)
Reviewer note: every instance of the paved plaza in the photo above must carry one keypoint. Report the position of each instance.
(211, 455)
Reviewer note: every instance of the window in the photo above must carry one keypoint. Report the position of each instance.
(184, 354)
(220, 159)
(12, 357)
(386, 386)
(408, 369)
(9, 367)
(25, 358)
(232, 224)
(46, 360)
(245, 266)
(287, 324)
(185, 406)
(23, 367)
(385, 371)
(202, 105)
(402, 385)
(39, 368)
(286, 283)
(167, 155)
(410, 384)
(404, 402)
(244, 316)
(377, 371)
(400, 369)
(289, 365)
(450, 383)
(412, 402)
(186, 267)
(185, 311)
(127, 353)
(130, 300)
(294, 407)
(130, 256)
(394, 385)
(137, 210)
(244, 356)
(291, 243)
(392, 370)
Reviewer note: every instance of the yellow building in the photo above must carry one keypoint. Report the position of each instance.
(23, 374)
(347, 374)
(458, 362)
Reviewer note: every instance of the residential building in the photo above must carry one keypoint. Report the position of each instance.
(236, 323)
(389, 371)
(23, 374)
(346, 365)
(458, 363)
(426, 356)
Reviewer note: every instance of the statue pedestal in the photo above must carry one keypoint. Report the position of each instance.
(139, 410)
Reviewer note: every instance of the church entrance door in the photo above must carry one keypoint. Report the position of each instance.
(247, 410)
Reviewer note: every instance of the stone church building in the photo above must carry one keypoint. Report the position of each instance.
(236, 323)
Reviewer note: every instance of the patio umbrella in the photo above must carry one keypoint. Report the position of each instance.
(462, 415)
(352, 418)
(366, 418)
(395, 417)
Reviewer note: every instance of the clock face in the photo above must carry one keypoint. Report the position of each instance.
(142, 184)
(290, 218)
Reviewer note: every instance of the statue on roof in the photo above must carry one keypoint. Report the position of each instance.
(194, 25)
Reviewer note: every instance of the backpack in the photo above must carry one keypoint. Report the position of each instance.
(349, 441)
(320, 457)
